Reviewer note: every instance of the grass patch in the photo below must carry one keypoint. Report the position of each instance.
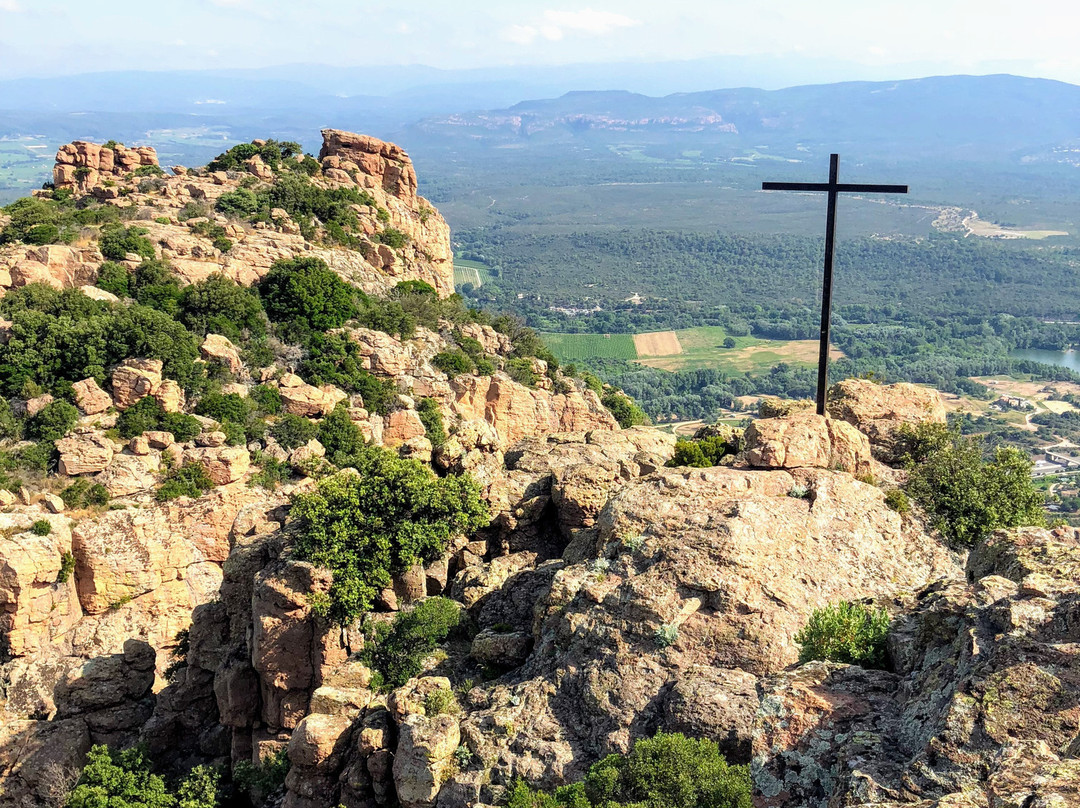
(572, 347)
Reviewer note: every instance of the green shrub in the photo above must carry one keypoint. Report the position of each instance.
(82, 494)
(240, 203)
(67, 566)
(218, 305)
(271, 472)
(441, 701)
(452, 363)
(700, 453)
(222, 243)
(666, 771)
(848, 632)
(117, 241)
(399, 648)
(149, 171)
(336, 359)
(521, 371)
(965, 495)
(235, 434)
(292, 431)
(155, 284)
(27, 214)
(896, 499)
(53, 422)
(306, 291)
(42, 527)
(9, 424)
(624, 410)
(392, 514)
(224, 407)
(42, 234)
(264, 779)
(431, 418)
(267, 399)
(41, 456)
(272, 152)
(392, 237)
(115, 278)
(187, 481)
(340, 437)
(182, 426)
(143, 416)
(119, 779)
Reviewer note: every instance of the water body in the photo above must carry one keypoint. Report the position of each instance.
(1066, 359)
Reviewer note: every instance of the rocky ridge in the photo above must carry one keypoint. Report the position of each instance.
(162, 204)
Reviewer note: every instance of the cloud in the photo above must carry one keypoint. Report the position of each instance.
(241, 4)
(588, 21)
(555, 25)
(10, 5)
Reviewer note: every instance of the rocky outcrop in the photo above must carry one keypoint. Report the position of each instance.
(807, 440)
(85, 452)
(369, 162)
(516, 411)
(56, 265)
(300, 398)
(90, 398)
(880, 410)
(981, 708)
(216, 348)
(82, 165)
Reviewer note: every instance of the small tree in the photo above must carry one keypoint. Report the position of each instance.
(307, 291)
(119, 779)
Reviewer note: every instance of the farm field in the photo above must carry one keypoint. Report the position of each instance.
(688, 349)
(703, 348)
(473, 272)
(574, 347)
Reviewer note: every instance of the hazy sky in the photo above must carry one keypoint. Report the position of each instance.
(48, 37)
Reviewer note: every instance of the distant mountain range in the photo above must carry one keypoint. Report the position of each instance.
(975, 118)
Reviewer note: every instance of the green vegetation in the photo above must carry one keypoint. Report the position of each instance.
(453, 363)
(292, 431)
(441, 701)
(431, 418)
(363, 527)
(187, 481)
(41, 527)
(341, 438)
(53, 422)
(624, 409)
(848, 632)
(117, 241)
(335, 359)
(272, 152)
(67, 566)
(571, 347)
(702, 452)
(399, 647)
(264, 779)
(113, 779)
(305, 294)
(115, 278)
(218, 305)
(966, 495)
(666, 771)
(147, 415)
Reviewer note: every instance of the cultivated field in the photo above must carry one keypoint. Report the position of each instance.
(688, 349)
(472, 272)
(571, 347)
(704, 348)
(657, 343)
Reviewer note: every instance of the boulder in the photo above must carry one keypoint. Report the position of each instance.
(424, 757)
(223, 465)
(807, 440)
(90, 398)
(84, 453)
(170, 396)
(37, 404)
(129, 474)
(135, 379)
(880, 410)
(299, 398)
(217, 348)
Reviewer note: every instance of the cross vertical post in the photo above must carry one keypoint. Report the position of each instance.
(833, 188)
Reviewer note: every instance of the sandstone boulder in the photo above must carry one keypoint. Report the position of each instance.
(84, 453)
(216, 348)
(805, 440)
(223, 465)
(135, 379)
(880, 410)
(90, 398)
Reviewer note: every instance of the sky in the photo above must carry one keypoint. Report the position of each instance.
(53, 37)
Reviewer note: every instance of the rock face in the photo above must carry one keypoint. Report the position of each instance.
(370, 162)
(82, 165)
(878, 411)
(981, 710)
(85, 453)
(806, 439)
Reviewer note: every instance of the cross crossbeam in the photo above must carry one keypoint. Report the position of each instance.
(833, 188)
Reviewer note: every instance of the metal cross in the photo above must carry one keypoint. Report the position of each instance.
(833, 188)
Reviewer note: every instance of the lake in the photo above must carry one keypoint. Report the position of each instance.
(1066, 359)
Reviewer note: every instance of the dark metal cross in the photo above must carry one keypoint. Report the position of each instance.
(833, 188)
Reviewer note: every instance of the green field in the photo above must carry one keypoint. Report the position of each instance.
(571, 347)
(701, 348)
(473, 272)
